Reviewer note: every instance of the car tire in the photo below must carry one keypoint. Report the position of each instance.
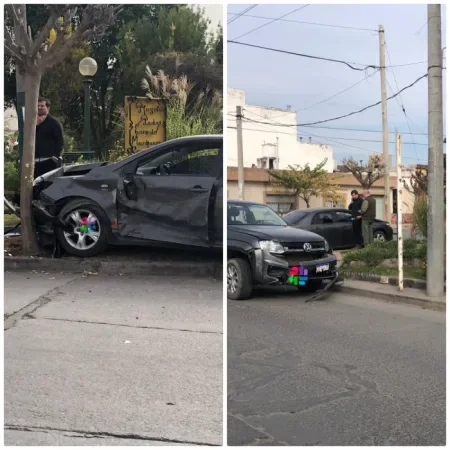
(379, 236)
(239, 272)
(101, 230)
(311, 286)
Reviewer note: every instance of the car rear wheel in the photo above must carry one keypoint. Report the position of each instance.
(239, 279)
(379, 236)
(88, 229)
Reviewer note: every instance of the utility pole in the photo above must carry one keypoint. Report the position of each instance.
(436, 226)
(387, 184)
(398, 143)
(240, 149)
(20, 87)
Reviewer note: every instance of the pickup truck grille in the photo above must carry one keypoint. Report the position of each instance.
(299, 259)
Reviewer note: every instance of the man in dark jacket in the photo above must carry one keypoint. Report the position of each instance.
(49, 140)
(368, 213)
(355, 209)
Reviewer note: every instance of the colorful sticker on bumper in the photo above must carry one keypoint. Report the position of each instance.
(298, 276)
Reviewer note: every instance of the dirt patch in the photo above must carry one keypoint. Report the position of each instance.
(13, 247)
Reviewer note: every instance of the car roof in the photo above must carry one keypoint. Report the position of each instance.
(245, 202)
(318, 210)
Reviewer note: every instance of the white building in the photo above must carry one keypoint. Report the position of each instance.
(268, 145)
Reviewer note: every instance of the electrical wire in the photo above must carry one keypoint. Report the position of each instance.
(330, 98)
(339, 144)
(309, 23)
(308, 56)
(399, 99)
(272, 21)
(349, 114)
(242, 13)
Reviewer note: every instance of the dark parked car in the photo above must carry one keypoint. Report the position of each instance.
(264, 250)
(169, 194)
(335, 225)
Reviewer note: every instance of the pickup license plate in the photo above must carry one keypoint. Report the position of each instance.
(322, 268)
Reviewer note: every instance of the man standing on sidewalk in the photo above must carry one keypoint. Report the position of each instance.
(355, 209)
(368, 213)
(49, 140)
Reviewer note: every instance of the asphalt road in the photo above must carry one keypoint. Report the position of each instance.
(340, 371)
(113, 361)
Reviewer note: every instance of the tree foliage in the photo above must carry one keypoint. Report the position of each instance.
(366, 174)
(307, 182)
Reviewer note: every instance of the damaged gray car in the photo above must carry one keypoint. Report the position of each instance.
(171, 194)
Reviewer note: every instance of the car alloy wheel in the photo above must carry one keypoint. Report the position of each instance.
(86, 229)
(379, 236)
(232, 279)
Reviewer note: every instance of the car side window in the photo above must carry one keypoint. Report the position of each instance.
(322, 218)
(182, 161)
(343, 217)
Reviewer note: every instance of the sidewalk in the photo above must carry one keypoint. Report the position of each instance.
(391, 293)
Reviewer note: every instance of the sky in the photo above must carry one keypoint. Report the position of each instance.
(215, 14)
(277, 80)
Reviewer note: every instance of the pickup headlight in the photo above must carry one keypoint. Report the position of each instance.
(272, 247)
(327, 246)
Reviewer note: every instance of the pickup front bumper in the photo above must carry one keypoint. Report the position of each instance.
(275, 269)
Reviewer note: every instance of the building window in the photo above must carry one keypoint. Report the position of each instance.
(335, 204)
(281, 204)
(394, 201)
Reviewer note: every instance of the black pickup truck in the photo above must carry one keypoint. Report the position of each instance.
(264, 250)
(171, 194)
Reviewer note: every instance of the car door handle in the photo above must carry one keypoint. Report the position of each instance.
(198, 189)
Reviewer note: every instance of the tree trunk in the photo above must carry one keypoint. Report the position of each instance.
(32, 84)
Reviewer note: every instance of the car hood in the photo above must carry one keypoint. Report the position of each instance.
(277, 233)
(70, 171)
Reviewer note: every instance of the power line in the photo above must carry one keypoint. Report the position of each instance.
(310, 23)
(337, 137)
(399, 99)
(268, 23)
(340, 144)
(242, 13)
(349, 114)
(308, 56)
(344, 129)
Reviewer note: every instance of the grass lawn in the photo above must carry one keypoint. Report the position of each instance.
(11, 220)
(408, 272)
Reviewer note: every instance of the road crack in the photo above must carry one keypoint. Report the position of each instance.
(132, 326)
(32, 307)
(103, 434)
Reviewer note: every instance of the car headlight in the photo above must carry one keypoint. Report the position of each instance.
(327, 246)
(272, 247)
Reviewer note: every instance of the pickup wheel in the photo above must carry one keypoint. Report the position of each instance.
(311, 286)
(239, 279)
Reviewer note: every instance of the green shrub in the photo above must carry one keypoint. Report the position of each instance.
(12, 181)
(420, 215)
(376, 253)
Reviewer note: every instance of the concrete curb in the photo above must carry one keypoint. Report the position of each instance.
(393, 281)
(393, 297)
(126, 267)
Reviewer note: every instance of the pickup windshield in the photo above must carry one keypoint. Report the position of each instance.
(248, 214)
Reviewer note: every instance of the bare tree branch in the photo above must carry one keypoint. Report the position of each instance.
(45, 32)
(19, 16)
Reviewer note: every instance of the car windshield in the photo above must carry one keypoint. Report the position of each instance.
(247, 214)
(295, 216)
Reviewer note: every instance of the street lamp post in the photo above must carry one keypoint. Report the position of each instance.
(88, 68)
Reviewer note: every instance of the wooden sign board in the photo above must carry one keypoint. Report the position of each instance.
(145, 123)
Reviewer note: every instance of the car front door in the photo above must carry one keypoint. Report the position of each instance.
(324, 224)
(344, 220)
(168, 195)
